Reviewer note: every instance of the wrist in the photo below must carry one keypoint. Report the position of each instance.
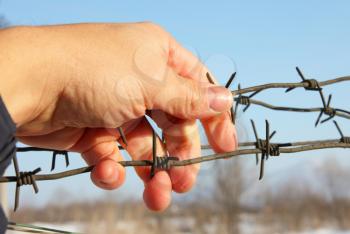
(26, 75)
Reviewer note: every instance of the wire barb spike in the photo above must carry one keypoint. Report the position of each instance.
(210, 79)
(228, 84)
(122, 135)
(24, 178)
(54, 157)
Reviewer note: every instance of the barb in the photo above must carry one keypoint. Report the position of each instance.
(331, 112)
(232, 111)
(244, 100)
(210, 79)
(228, 84)
(55, 153)
(24, 178)
(160, 163)
(343, 139)
(122, 135)
(311, 84)
(267, 149)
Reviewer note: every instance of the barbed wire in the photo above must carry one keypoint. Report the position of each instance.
(262, 147)
(308, 84)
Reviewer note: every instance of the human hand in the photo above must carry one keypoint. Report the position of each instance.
(69, 87)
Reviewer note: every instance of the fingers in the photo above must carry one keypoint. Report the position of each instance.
(98, 147)
(221, 133)
(62, 139)
(182, 141)
(189, 99)
(157, 193)
(219, 128)
(107, 173)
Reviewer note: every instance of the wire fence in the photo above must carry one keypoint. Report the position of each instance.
(262, 148)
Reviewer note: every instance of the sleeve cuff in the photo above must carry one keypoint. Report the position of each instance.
(7, 149)
(7, 137)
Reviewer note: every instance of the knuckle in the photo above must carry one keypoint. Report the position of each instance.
(187, 105)
(154, 31)
(193, 99)
(152, 26)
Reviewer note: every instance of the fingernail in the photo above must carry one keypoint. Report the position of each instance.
(220, 98)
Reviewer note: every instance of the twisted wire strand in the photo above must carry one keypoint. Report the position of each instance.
(252, 143)
(313, 145)
(288, 85)
(297, 143)
(336, 111)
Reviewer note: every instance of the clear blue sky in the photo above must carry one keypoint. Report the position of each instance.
(262, 40)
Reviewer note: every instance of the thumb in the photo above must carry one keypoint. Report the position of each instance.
(191, 99)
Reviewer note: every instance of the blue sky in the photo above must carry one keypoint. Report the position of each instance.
(262, 40)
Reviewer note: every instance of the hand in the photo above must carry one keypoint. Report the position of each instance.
(69, 87)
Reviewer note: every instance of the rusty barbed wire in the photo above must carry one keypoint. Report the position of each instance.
(312, 145)
(54, 154)
(308, 84)
(64, 152)
(262, 147)
(247, 101)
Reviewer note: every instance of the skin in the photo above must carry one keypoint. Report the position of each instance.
(69, 87)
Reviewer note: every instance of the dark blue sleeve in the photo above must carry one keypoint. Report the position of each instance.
(7, 149)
